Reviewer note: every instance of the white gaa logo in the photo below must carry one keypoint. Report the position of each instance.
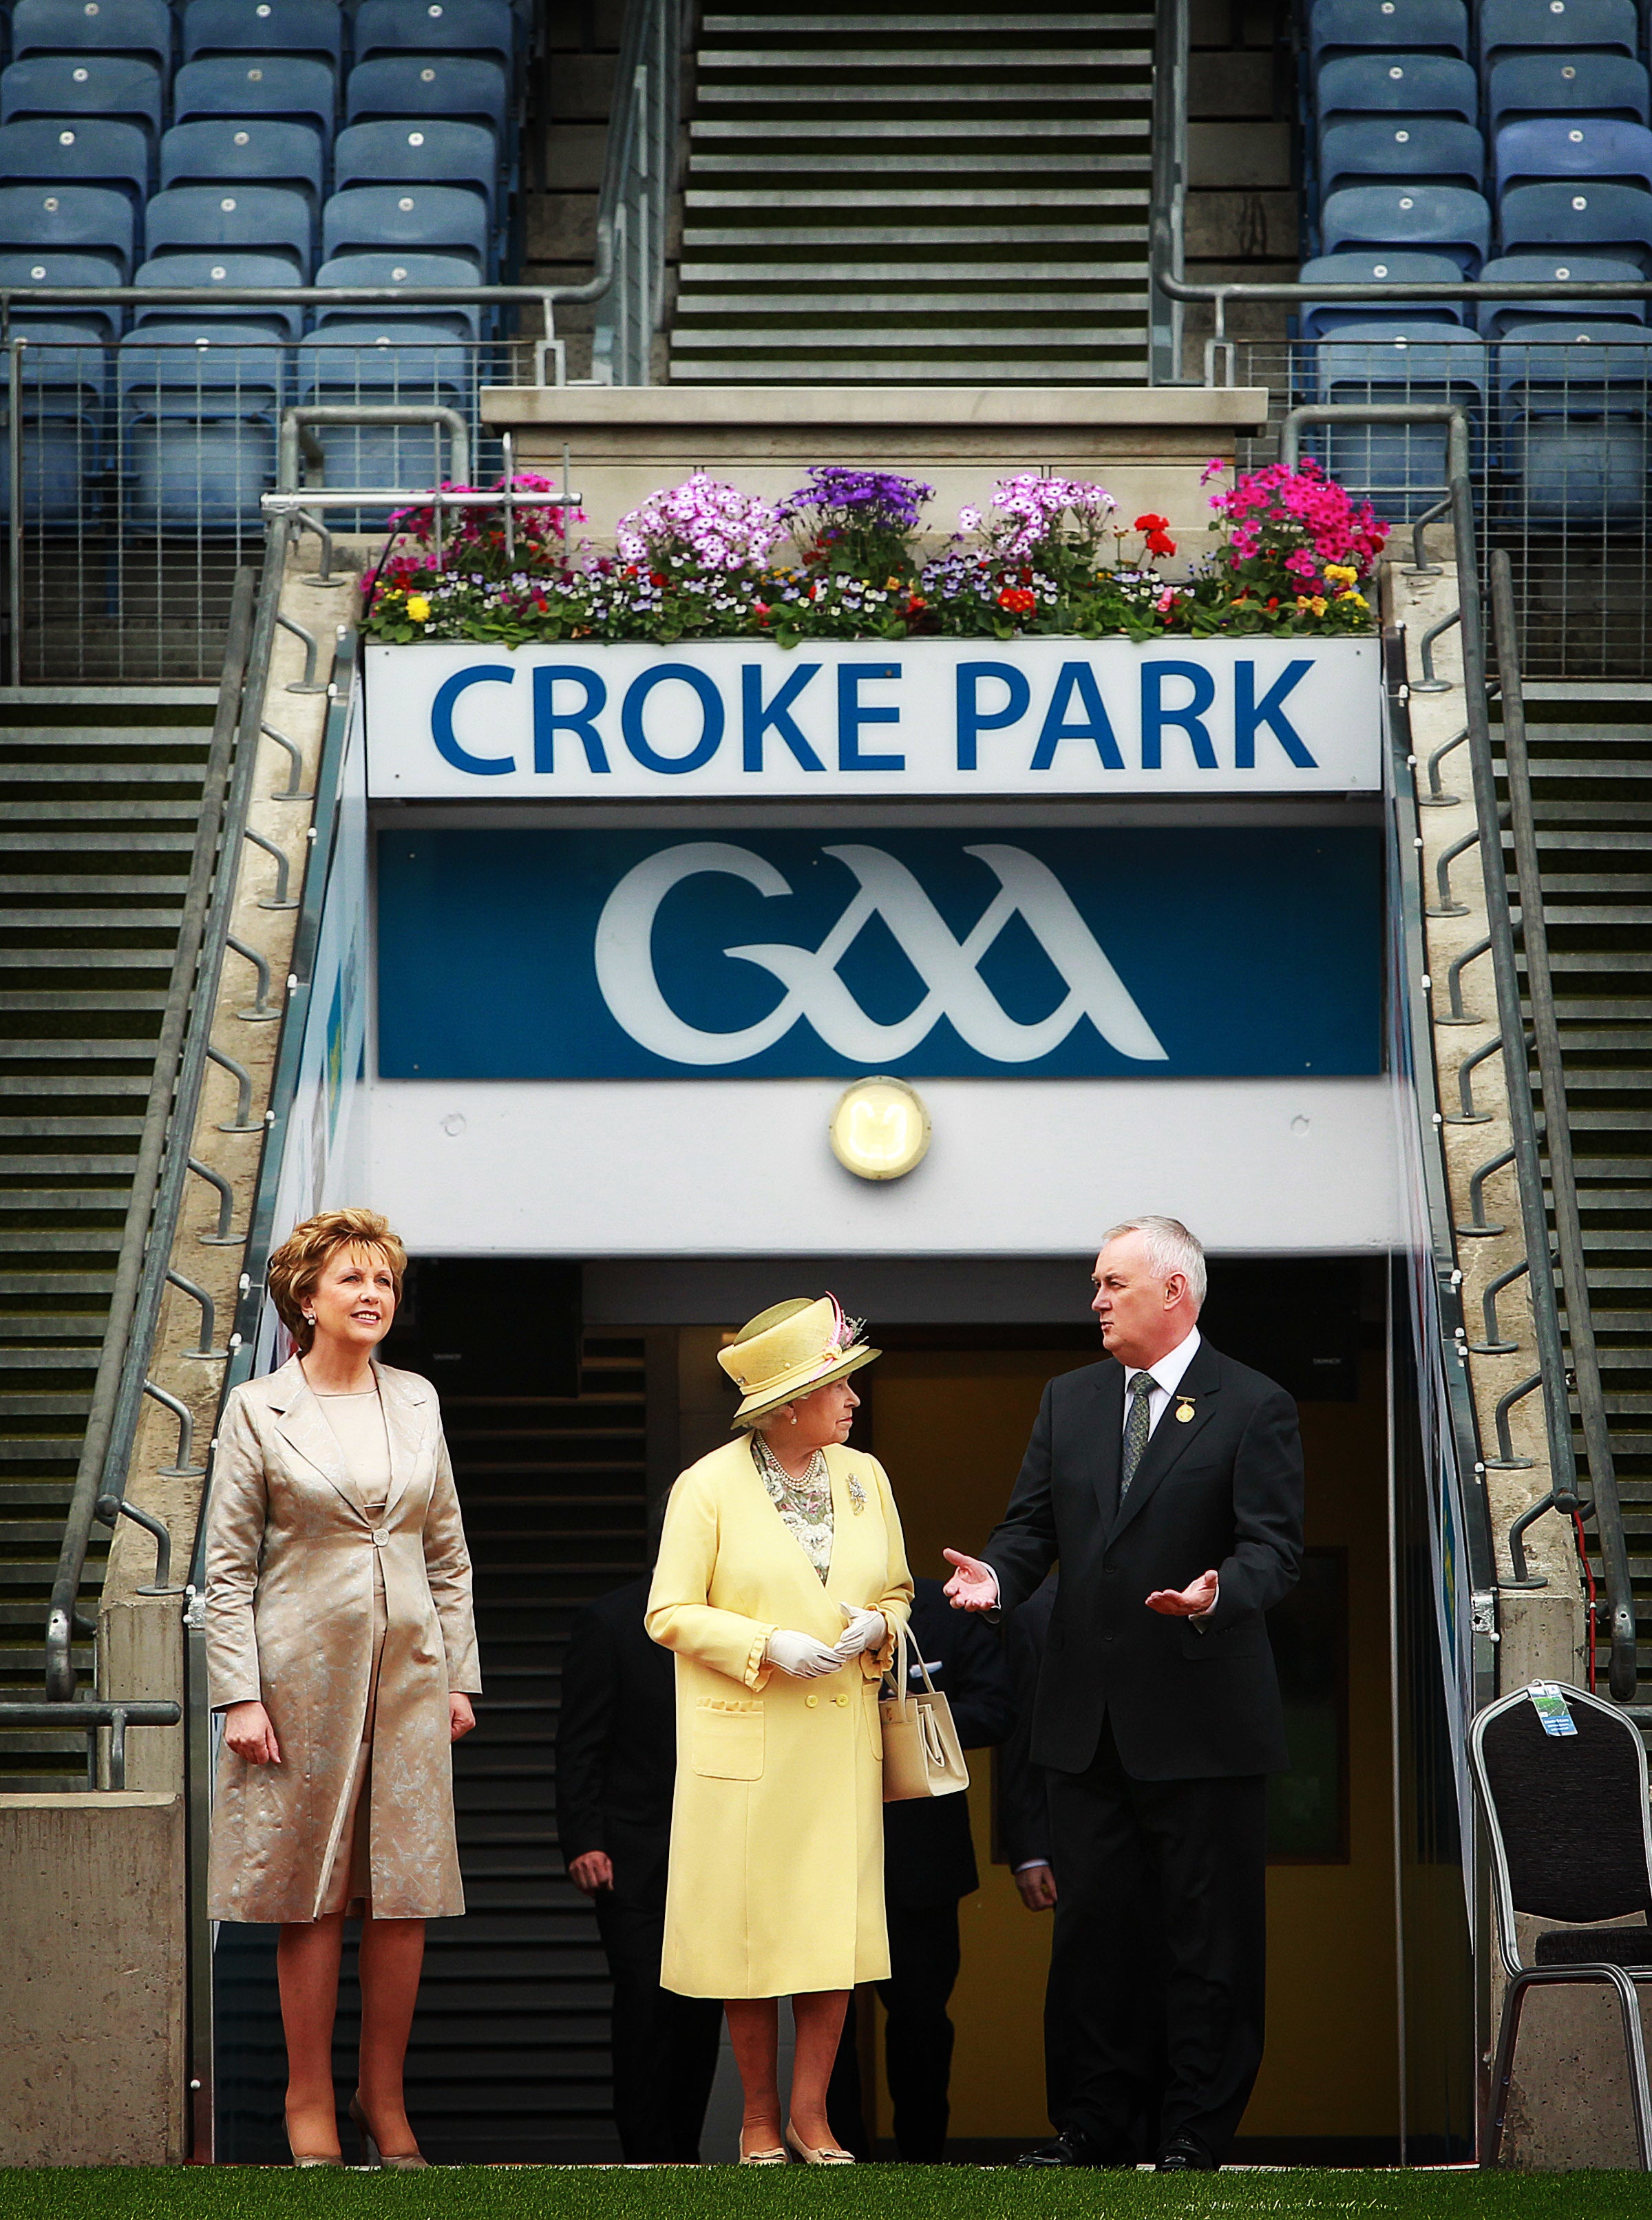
(954, 988)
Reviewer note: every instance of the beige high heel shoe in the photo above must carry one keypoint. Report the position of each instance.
(300, 2159)
(387, 2161)
(813, 2157)
(776, 2156)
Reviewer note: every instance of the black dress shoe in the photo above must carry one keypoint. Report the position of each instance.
(1185, 2153)
(1072, 2147)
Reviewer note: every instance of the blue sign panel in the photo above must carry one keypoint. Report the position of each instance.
(556, 955)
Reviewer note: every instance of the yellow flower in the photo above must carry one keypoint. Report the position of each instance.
(1343, 571)
(1314, 602)
(418, 609)
(1358, 600)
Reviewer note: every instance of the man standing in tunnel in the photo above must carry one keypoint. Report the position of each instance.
(1168, 1481)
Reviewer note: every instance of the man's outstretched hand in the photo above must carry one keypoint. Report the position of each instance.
(973, 1587)
(1185, 1603)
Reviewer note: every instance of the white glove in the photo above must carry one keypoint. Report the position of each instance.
(865, 1630)
(800, 1655)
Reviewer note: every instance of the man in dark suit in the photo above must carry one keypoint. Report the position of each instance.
(929, 1863)
(616, 1766)
(1168, 1483)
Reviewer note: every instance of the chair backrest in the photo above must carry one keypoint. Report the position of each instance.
(1550, 84)
(1566, 1814)
(430, 27)
(164, 366)
(269, 217)
(291, 85)
(89, 150)
(1572, 147)
(26, 269)
(1447, 218)
(120, 27)
(463, 87)
(1610, 26)
(1319, 317)
(1393, 351)
(239, 266)
(92, 218)
(1494, 316)
(265, 27)
(1581, 359)
(90, 85)
(428, 152)
(443, 218)
(1616, 218)
(388, 270)
(1397, 84)
(225, 151)
(410, 361)
(1436, 149)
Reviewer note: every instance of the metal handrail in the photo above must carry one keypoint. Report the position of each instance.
(166, 1118)
(90, 1719)
(1557, 1136)
(638, 177)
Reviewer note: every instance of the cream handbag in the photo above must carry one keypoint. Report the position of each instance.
(922, 1755)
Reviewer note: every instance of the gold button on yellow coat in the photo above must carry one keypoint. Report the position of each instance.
(777, 1871)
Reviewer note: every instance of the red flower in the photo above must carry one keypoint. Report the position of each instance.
(1157, 529)
(1019, 600)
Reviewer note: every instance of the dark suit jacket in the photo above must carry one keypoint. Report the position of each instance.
(616, 1744)
(929, 1853)
(1185, 1701)
(1023, 1796)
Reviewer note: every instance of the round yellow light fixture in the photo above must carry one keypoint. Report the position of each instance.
(880, 1129)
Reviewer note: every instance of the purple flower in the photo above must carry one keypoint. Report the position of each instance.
(873, 498)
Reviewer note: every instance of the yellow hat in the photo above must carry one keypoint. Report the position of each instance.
(790, 1351)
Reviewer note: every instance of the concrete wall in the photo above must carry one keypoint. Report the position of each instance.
(92, 1979)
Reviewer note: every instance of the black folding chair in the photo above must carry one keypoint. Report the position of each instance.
(1570, 1840)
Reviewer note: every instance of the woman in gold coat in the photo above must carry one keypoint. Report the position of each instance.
(341, 1651)
(781, 1584)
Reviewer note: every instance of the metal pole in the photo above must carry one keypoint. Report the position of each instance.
(15, 517)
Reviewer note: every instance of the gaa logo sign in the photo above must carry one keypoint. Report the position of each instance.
(815, 989)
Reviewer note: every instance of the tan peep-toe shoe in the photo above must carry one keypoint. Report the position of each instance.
(387, 2161)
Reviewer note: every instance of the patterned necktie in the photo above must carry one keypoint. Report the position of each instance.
(1136, 1432)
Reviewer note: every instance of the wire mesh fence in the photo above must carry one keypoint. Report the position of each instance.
(132, 474)
(1560, 450)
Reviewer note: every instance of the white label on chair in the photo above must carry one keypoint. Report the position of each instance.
(1548, 1701)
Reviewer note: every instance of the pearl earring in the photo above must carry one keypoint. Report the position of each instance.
(310, 1318)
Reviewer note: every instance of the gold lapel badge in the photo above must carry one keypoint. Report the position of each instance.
(1184, 1410)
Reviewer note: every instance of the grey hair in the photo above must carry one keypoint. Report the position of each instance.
(1170, 1248)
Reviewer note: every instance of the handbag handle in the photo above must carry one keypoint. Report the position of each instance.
(902, 1674)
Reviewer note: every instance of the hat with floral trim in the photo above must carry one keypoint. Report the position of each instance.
(791, 1350)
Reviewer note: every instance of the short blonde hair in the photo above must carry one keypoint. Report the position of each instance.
(1169, 1247)
(296, 1267)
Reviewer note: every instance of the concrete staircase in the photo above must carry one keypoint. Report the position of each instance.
(941, 195)
(98, 803)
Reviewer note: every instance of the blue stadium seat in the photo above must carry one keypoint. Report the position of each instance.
(64, 404)
(83, 149)
(228, 266)
(461, 87)
(1615, 219)
(290, 85)
(1507, 25)
(259, 150)
(426, 152)
(1436, 26)
(1447, 218)
(1572, 147)
(1575, 423)
(94, 85)
(395, 269)
(270, 218)
(384, 363)
(444, 219)
(1493, 317)
(1434, 150)
(1388, 360)
(24, 267)
(198, 425)
(118, 27)
(79, 219)
(1566, 83)
(265, 27)
(468, 27)
(1319, 318)
(1389, 84)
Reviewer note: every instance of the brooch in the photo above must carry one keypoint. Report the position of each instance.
(857, 1495)
(1184, 1410)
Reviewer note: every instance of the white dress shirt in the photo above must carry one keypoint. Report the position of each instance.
(1167, 1378)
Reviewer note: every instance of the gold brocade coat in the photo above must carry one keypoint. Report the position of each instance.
(776, 1883)
(289, 1621)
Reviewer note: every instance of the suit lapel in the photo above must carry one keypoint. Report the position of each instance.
(1171, 1439)
(407, 1414)
(1108, 1438)
(302, 1425)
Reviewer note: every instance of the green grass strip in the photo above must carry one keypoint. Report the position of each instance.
(889, 2192)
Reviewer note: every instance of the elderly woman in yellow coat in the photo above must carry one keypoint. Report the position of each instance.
(781, 1584)
(341, 1651)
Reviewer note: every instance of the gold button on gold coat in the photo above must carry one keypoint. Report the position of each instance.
(810, 1701)
(842, 1699)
